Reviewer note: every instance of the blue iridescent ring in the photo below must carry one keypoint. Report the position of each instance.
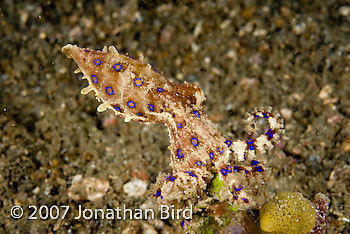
(151, 107)
(179, 153)
(94, 79)
(117, 67)
(228, 142)
(224, 172)
(259, 169)
(199, 163)
(117, 108)
(220, 150)
(179, 125)
(138, 82)
(157, 194)
(211, 155)
(97, 62)
(194, 142)
(109, 90)
(196, 113)
(160, 90)
(131, 104)
(245, 200)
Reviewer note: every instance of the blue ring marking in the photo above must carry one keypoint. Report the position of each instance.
(220, 151)
(168, 177)
(211, 155)
(235, 197)
(199, 163)
(256, 116)
(229, 168)
(117, 108)
(161, 110)
(86, 50)
(157, 194)
(238, 189)
(179, 125)
(97, 62)
(259, 169)
(235, 168)
(182, 223)
(268, 131)
(94, 79)
(172, 178)
(160, 90)
(196, 113)
(250, 141)
(224, 172)
(265, 116)
(271, 135)
(131, 104)
(137, 80)
(194, 140)
(246, 171)
(173, 115)
(178, 153)
(245, 200)
(151, 107)
(139, 114)
(117, 68)
(109, 90)
(228, 142)
(191, 173)
(254, 163)
(251, 147)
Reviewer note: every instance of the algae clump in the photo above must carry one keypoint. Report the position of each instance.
(216, 184)
(287, 213)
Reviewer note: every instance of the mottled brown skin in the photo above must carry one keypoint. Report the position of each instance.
(135, 91)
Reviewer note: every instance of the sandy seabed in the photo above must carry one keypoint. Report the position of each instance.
(291, 55)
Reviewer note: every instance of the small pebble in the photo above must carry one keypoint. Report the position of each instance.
(299, 28)
(90, 188)
(344, 10)
(325, 92)
(286, 113)
(135, 188)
